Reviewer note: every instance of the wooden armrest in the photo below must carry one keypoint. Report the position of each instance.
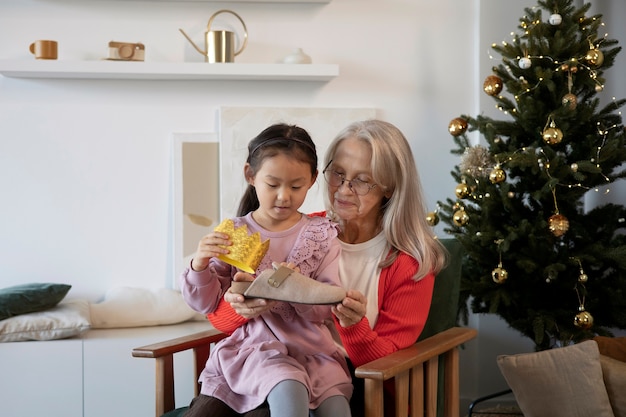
(163, 353)
(179, 344)
(416, 373)
(420, 352)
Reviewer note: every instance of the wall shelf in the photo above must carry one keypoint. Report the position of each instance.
(244, 1)
(124, 70)
(249, 1)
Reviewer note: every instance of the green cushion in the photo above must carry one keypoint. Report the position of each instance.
(444, 305)
(30, 298)
(445, 301)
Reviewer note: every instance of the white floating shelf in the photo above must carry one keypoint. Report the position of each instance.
(126, 70)
(247, 1)
(243, 1)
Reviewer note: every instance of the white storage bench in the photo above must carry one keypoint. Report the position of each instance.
(91, 375)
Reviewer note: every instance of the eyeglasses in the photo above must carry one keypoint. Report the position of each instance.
(335, 179)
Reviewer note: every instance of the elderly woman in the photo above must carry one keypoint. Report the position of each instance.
(389, 255)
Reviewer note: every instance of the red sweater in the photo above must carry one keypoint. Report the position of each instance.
(403, 306)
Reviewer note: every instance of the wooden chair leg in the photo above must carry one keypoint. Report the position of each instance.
(200, 354)
(402, 394)
(451, 383)
(417, 394)
(430, 386)
(373, 398)
(164, 384)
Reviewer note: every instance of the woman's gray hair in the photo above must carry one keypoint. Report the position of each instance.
(403, 213)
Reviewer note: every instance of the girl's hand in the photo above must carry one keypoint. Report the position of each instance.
(209, 247)
(351, 310)
(247, 307)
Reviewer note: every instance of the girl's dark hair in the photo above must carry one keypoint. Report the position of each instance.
(290, 140)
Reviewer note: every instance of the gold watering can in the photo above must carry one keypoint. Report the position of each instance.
(219, 45)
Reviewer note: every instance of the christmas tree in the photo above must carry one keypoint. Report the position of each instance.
(553, 269)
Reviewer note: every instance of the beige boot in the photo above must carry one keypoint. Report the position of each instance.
(285, 284)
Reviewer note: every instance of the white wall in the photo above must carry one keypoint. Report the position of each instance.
(85, 165)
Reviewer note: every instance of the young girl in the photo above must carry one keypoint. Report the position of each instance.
(285, 357)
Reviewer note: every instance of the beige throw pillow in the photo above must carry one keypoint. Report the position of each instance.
(558, 382)
(67, 319)
(138, 307)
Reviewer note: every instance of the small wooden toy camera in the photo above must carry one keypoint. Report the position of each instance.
(124, 51)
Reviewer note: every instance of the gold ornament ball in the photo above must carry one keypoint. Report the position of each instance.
(499, 275)
(457, 126)
(570, 101)
(558, 224)
(594, 57)
(584, 320)
(552, 135)
(492, 85)
(460, 218)
(583, 278)
(461, 190)
(432, 218)
(497, 175)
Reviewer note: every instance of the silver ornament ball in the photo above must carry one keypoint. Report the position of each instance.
(555, 19)
(524, 63)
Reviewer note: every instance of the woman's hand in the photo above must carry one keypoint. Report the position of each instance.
(351, 310)
(209, 247)
(247, 307)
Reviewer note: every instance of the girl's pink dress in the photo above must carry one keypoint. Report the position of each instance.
(291, 341)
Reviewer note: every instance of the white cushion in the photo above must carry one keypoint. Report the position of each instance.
(68, 318)
(136, 307)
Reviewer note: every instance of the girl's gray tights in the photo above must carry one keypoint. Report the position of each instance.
(291, 399)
